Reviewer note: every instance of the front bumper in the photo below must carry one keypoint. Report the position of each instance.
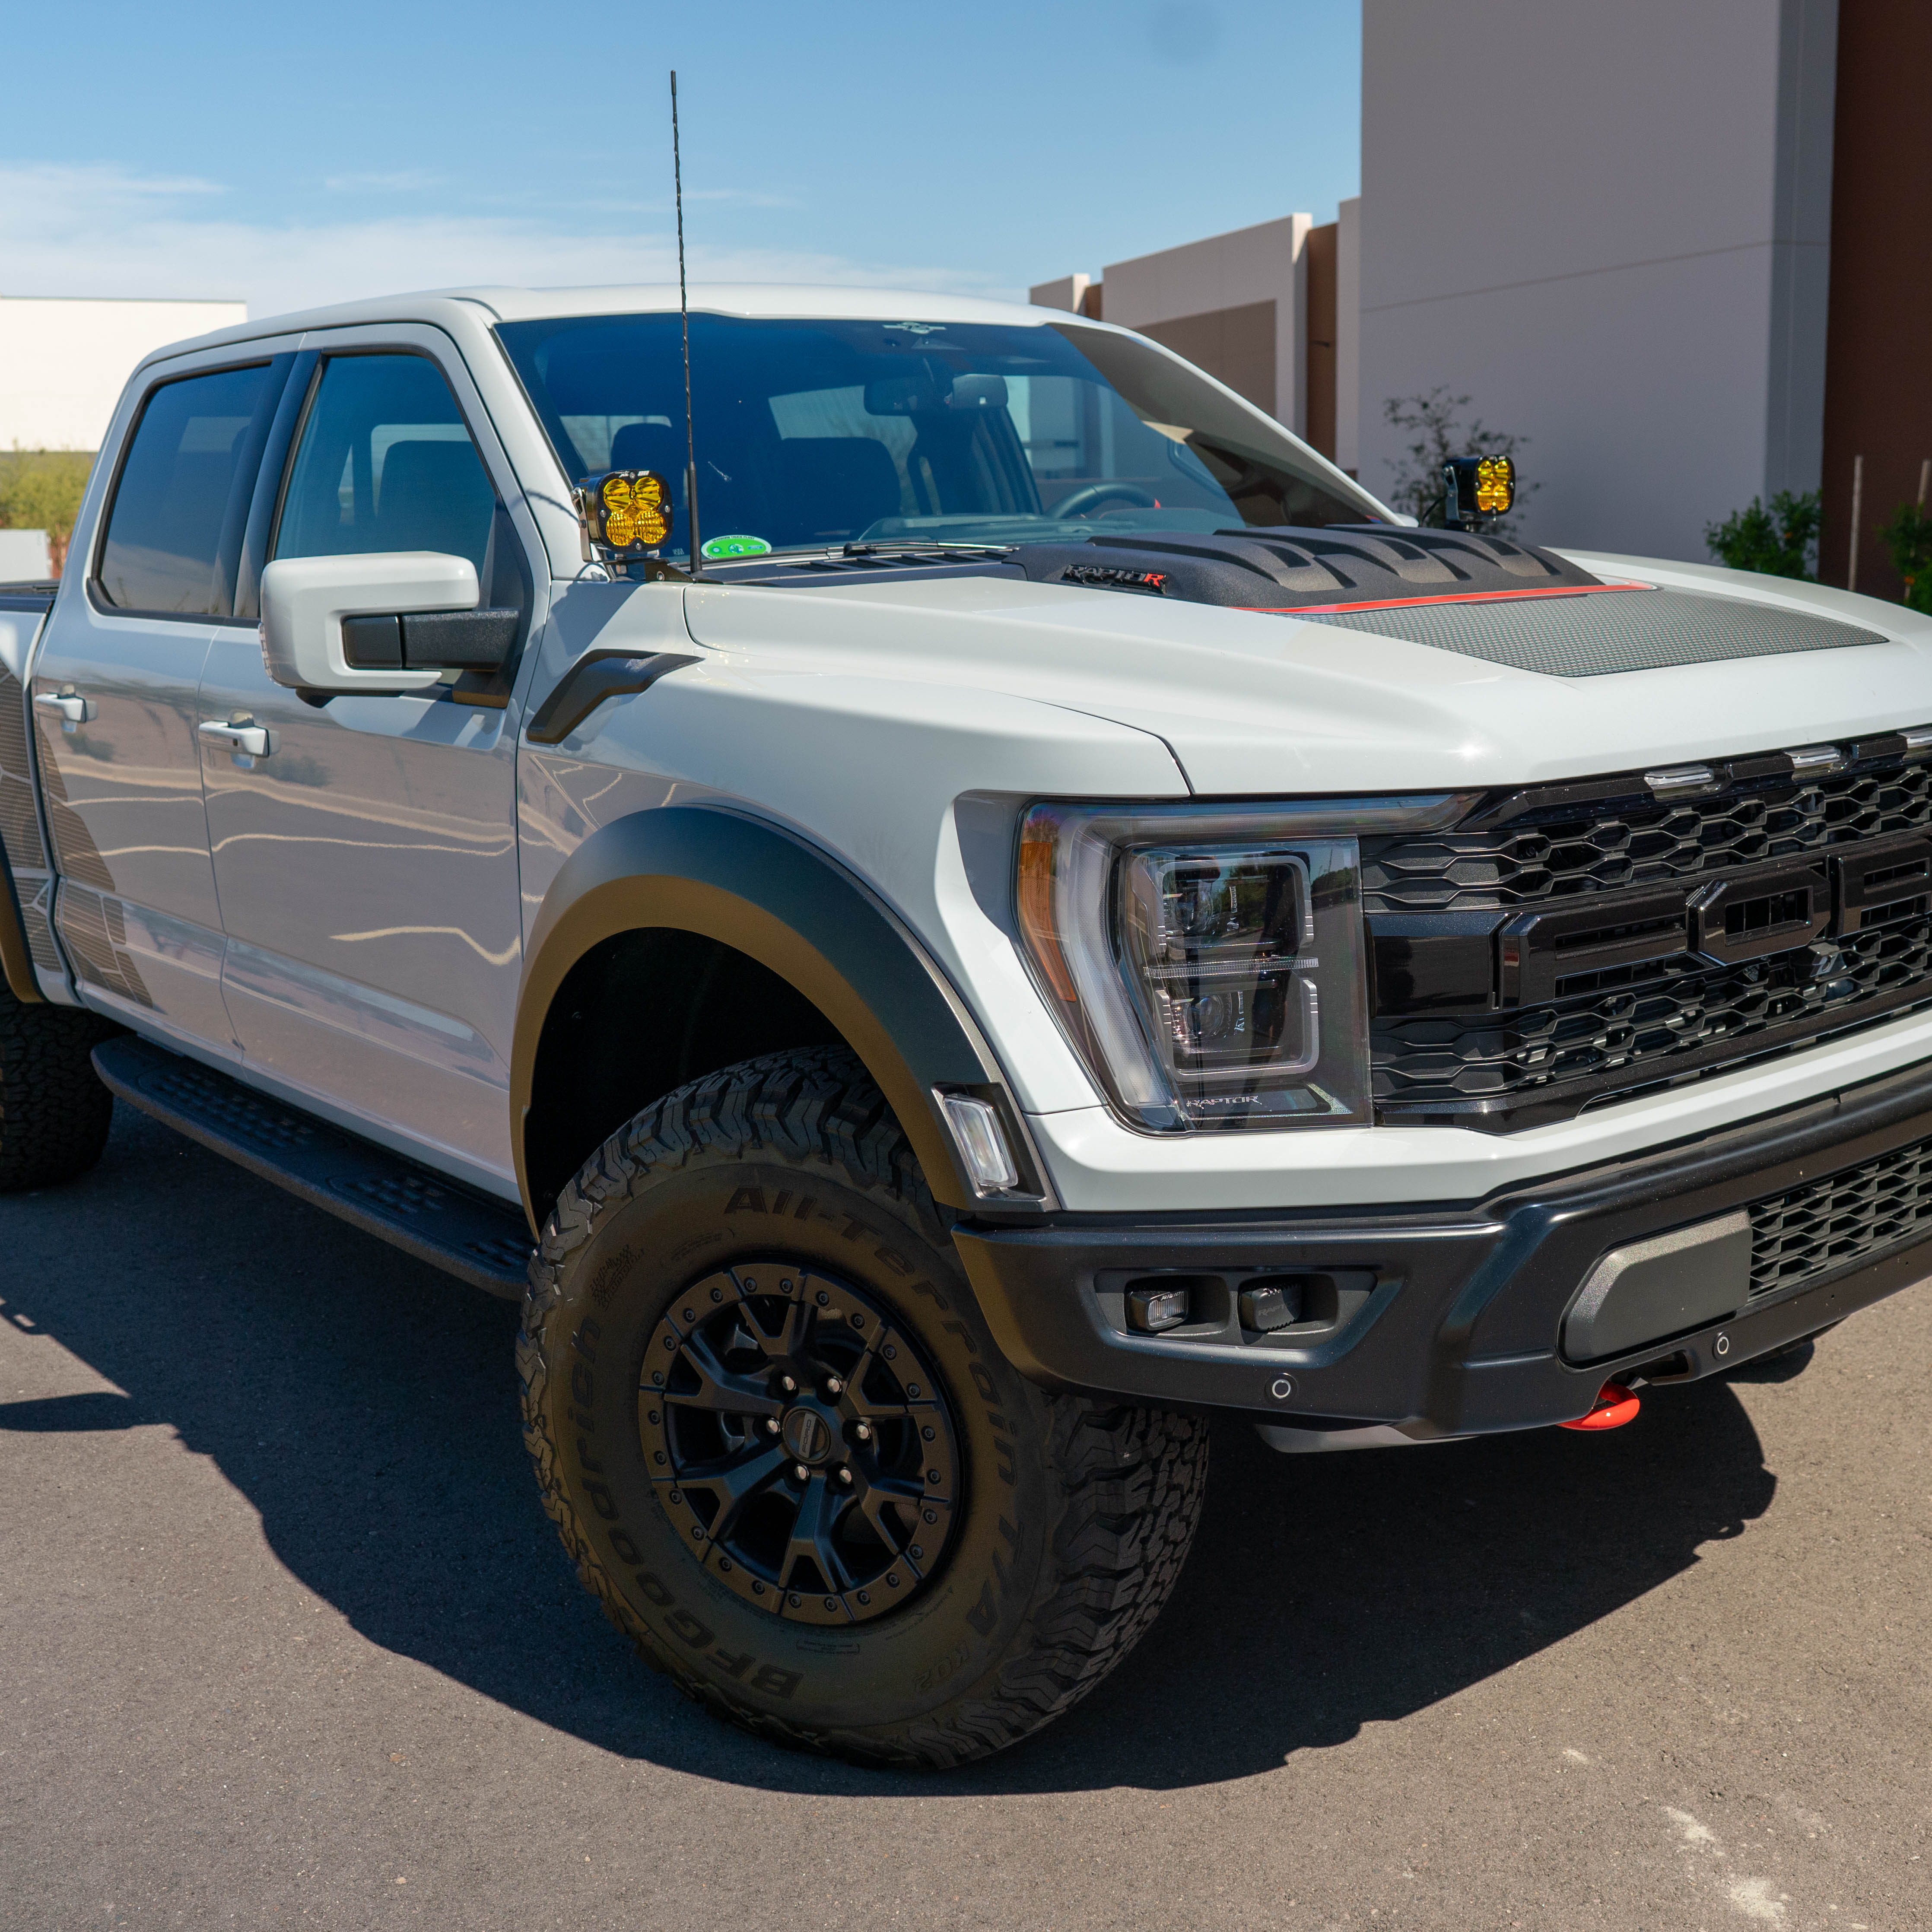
(1447, 1322)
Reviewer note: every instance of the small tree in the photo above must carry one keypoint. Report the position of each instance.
(1908, 537)
(1434, 425)
(1781, 541)
(41, 489)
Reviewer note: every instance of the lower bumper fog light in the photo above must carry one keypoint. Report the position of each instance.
(1615, 1405)
(1268, 1306)
(1151, 1309)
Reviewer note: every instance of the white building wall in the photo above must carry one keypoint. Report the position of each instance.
(1264, 263)
(1606, 221)
(1348, 336)
(64, 364)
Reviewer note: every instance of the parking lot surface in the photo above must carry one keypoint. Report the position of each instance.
(286, 1639)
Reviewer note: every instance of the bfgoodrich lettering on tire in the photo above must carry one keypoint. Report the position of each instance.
(779, 1444)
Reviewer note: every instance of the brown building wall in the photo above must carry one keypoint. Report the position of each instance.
(1235, 345)
(1320, 256)
(1878, 357)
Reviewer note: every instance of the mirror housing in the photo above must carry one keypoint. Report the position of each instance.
(305, 599)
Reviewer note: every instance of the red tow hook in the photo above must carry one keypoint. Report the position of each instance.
(1615, 1406)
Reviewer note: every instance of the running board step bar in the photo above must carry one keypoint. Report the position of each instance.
(483, 1242)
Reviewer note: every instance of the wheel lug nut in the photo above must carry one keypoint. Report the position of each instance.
(833, 1386)
(845, 1475)
(799, 1470)
(864, 1431)
(786, 1383)
(771, 1425)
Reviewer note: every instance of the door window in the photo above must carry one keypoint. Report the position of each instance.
(182, 498)
(386, 463)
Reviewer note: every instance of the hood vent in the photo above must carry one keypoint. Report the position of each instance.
(1288, 568)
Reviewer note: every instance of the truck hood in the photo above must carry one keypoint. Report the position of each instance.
(1257, 701)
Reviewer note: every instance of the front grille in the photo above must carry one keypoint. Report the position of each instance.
(1541, 853)
(1463, 1046)
(1688, 1008)
(1847, 1218)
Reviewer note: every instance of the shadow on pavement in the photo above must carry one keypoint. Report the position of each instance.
(366, 1407)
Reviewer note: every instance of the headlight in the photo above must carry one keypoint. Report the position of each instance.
(1207, 962)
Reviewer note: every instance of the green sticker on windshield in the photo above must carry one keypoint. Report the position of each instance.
(724, 546)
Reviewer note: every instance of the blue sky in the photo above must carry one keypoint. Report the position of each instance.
(285, 154)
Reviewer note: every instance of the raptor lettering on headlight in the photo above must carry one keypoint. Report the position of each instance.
(1206, 961)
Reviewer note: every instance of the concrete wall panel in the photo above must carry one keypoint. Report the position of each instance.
(1235, 271)
(1604, 221)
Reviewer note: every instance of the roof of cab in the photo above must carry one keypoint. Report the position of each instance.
(443, 307)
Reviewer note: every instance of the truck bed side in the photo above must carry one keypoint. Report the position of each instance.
(26, 873)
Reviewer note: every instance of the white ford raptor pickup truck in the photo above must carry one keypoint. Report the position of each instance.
(970, 908)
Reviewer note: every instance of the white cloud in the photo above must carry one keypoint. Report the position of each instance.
(403, 181)
(67, 230)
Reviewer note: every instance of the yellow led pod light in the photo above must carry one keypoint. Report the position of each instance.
(624, 514)
(1495, 485)
(1477, 488)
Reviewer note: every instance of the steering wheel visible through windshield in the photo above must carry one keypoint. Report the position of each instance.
(813, 434)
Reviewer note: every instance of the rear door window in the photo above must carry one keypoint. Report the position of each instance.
(181, 500)
(386, 464)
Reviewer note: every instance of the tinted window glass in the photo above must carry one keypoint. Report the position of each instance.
(812, 434)
(185, 485)
(386, 464)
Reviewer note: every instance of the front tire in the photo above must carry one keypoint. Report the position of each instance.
(756, 1383)
(54, 1111)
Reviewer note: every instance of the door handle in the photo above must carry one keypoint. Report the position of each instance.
(70, 709)
(247, 738)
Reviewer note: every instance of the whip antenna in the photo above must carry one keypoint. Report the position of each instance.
(684, 313)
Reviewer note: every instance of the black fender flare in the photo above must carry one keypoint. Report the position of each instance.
(772, 895)
(17, 957)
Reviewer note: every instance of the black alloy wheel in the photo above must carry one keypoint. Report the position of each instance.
(801, 1442)
(783, 1450)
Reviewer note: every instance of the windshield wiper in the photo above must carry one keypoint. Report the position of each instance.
(897, 546)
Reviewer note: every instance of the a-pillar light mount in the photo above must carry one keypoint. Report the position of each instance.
(1477, 490)
(625, 517)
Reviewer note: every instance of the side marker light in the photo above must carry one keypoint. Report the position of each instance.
(1615, 1406)
(982, 1142)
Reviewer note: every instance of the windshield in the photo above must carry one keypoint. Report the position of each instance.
(815, 434)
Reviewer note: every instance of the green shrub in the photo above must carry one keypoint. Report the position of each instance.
(1780, 541)
(41, 489)
(1908, 537)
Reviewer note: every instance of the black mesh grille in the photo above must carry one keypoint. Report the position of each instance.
(1846, 1218)
(1688, 1008)
(1550, 852)
(1606, 1035)
(1611, 630)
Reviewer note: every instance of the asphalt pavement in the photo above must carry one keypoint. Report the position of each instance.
(286, 1639)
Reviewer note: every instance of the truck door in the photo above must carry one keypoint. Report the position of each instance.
(367, 862)
(114, 700)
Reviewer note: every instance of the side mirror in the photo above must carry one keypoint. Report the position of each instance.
(387, 622)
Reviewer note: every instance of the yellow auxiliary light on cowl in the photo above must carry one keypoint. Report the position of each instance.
(624, 514)
(1475, 488)
(1495, 485)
